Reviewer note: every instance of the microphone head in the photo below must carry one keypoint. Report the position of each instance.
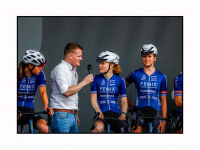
(89, 67)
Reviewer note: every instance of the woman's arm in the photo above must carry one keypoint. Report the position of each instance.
(178, 101)
(43, 95)
(95, 104)
(124, 104)
(164, 113)
(124, 108)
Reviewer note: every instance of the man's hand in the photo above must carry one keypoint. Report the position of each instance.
(88, 79)
(162, 126)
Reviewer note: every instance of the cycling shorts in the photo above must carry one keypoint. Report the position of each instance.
(146, 112)
(24, 119)
(115, 126)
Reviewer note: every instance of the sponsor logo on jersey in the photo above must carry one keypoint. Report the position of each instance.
(148, 91)
(103, 82)
(110, 95)
(143, 77)
(148, 84)
(112, 81)
(102, 102)
(154, 98)
(107, 89)
(25, 87)
(32, 80)
(112, 84)
(153, 78)
(143, 97)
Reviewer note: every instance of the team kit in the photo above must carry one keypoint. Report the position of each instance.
(108, 89)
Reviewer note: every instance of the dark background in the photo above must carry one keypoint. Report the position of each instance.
(123, 35)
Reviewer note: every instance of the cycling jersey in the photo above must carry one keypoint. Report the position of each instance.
(178, 87)
(107, 91)
(148, 88)
(27, 89)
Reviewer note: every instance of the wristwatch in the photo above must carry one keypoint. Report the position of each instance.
(123, 113)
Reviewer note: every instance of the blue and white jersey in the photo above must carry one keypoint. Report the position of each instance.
(178, 87)
(107, 91)
(148, 88)
(27, 88)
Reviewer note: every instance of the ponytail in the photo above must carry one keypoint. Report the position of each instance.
(22, 66)
(116, 69)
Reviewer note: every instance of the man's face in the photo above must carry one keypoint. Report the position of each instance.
(76, 58)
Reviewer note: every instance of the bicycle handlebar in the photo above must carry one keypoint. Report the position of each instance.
(151, 118)
(107, 118)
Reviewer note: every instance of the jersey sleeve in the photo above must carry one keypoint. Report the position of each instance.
(122, 87)
(178, 86)
(42, 79)
(163, 89)
(94, 86)
(130, 78)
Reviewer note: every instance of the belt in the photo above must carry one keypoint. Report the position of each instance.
(65, 110)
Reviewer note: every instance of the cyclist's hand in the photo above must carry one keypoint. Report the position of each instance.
(20, 114)
(162, 126)
(101, 115)
(122, 117)
(51, 112)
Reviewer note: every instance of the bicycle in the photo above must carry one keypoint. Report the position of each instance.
(170, 125)
(108, 119)
(149, 121)
(30, 123)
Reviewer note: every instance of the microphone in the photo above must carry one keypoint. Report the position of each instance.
(89, 67)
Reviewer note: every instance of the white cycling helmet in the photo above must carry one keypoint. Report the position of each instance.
(148, 49)
(34, 57)
(108, 56)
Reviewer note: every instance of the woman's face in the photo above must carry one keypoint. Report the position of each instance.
(148, 60)
(36, 70)
(103, 66)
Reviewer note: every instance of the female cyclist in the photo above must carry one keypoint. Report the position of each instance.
(150, 84)
(178, 91)
(31, 77)
(104, 93)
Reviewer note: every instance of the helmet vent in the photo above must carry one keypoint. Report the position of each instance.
(32, 56)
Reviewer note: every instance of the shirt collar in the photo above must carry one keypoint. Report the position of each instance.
(68, 65)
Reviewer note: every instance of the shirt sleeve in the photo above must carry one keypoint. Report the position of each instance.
(122, 87)
(61, 79)
(163, 90)
(178, 86)
(94, 86)
(42, 79)
(130, 78)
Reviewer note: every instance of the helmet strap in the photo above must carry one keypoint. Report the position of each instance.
(108, 69)
(31, 69)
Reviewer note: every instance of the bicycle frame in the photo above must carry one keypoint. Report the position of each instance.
(150, 121)
(109, 118)
(31, 129)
